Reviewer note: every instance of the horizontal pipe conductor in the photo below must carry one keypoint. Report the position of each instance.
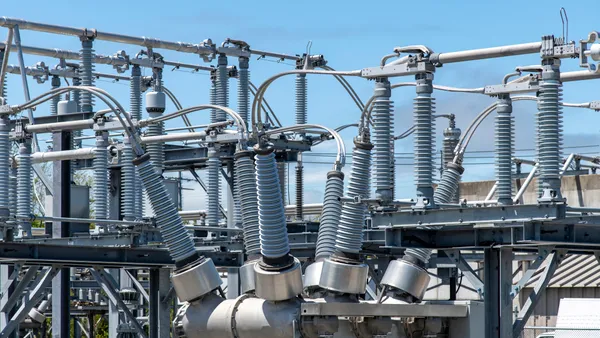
(579, 76)
(99, 35)
(489, 53)
(174, 137)
(68, 73)
(58, 126)
(275, 55)
(64, 155)
(98, 58)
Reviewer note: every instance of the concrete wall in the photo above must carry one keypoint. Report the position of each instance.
(581, 191)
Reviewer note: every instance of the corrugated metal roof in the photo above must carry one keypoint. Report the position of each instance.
(574, 271)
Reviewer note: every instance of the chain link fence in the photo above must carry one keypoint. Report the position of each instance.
(557, 332)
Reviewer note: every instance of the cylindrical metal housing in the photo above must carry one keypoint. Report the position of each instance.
(344, 278)
(278, 285)
(243, 317)
(193, 282)
(407, 277)
(155, 105)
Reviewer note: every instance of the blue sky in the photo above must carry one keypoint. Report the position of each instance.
(351, 35)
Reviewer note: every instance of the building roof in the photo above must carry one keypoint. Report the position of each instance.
(574, 271)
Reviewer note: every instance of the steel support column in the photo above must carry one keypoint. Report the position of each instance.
(554, 260)
(160, 310)
(61, 208)
(505, 299)
(491, 276)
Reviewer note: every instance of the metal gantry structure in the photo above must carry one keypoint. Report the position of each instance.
(361, 271)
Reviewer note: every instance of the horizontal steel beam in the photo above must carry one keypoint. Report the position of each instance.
(69, 255)
(393, 310)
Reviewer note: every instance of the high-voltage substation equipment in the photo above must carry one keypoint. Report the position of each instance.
(250, 265)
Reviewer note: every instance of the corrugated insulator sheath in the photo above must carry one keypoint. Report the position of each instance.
(549, 123)
(243, 96)
(424, 145)
(24, 177)
(135, 107)
(245, 185)
(86, 69)
(100, 165)
(451, 137)
(128, 181)
(222, 86)
(350, 230)
(54, 101)
(504, 150)
(330, 216)
(301, 104)
(5, 150)
(383, 125)
(271, 217)
(213, 187)
(173, 232)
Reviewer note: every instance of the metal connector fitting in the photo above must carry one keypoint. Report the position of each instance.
(248, 277)
(312, 276)
(195, 280)
(279, 285)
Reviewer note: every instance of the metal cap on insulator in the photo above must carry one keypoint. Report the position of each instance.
(242, 153)
(155, 102)
(264, 149)
(335, 173)
(66, 107)
(452, 133)
(141, 159)
(363, 145)
(456, 167)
